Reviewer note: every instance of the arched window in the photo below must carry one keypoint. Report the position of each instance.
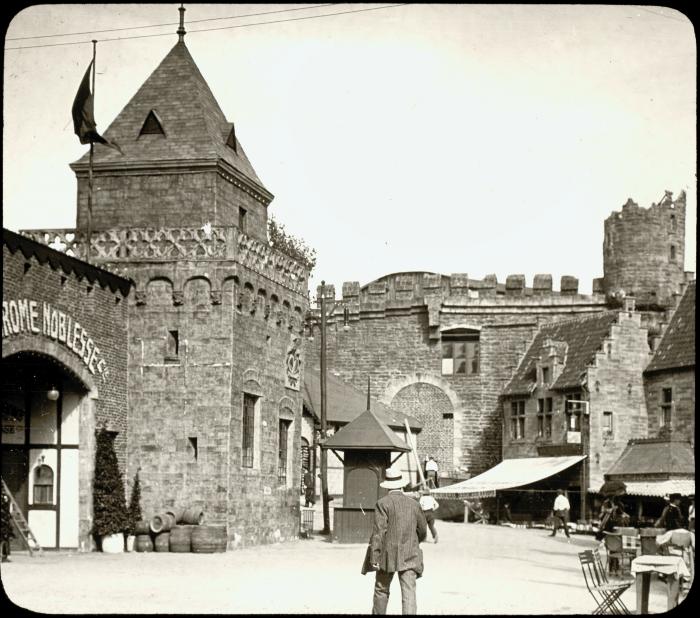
(43, 485)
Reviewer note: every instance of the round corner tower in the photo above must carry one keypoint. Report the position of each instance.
(643, 251)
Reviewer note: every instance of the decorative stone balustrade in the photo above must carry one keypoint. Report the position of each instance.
(120, 246)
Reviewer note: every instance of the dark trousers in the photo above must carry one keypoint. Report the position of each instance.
(382, 582)
(430, 520)
(560, 522)
(309, 496)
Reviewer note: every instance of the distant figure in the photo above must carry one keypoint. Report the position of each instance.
(561, 513)
(399, 527)
(671, 518)
(431, 472)
(309, 488)
(428, 505)
(506, 513)
(691, 514)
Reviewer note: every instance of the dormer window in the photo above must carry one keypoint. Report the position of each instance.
(545, 375)
(152, 125)
(231, 139)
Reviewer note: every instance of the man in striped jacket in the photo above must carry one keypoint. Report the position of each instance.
(399, 527)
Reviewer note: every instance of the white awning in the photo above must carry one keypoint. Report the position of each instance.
(685, 487)
(508, 474)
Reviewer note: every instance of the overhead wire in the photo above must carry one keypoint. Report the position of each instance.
(190, 21)
(263, 23)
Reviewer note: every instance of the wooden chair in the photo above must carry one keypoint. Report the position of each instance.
(647, 540)
(680, 544)
(615, 553)
(606, 594)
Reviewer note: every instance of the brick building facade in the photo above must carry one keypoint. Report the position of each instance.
(214, 349)
(64, 375)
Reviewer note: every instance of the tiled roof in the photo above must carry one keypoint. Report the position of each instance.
(366, 432)
(68, 264)
(194, 125)
(345, 402)
(655, 457)
(583, 337)
(677, 347)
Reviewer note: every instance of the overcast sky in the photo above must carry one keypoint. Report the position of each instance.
(444, 138)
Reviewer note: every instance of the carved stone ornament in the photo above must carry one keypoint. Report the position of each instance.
(215, 296)
(293, 365)
(178, 297)
(140, 297)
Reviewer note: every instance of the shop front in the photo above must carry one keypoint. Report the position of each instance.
(63, 376)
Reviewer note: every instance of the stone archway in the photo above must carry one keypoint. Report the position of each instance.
(432, 401)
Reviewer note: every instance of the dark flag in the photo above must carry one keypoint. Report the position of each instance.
(84, 116)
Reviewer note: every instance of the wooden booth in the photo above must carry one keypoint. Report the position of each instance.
(369, 447)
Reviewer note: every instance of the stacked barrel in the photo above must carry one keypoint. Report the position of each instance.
(180, 531)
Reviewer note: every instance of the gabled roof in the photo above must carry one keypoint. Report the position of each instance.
(677, 347)
(366, 432)
(583, 337)
(655, 456)
(195, 127)
(68, 264)
(345, 402)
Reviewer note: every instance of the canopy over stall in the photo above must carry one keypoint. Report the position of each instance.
(506, 475)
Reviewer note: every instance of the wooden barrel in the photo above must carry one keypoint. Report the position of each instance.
(176, 512)
(209, 538)
(181, 539)
(142, 527)
(162, 542)
(161, 523)
(143, 542)
(193, 516)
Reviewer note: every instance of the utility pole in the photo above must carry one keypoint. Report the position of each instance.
(324, 453)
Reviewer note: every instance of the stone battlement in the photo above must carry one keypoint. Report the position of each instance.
(651, 214)
(160, 245)
(418, 287)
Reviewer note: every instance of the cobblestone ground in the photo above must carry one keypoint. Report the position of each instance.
(474, 569)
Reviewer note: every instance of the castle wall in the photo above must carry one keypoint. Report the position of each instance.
(394, 336)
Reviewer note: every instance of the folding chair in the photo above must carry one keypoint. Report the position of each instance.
(606, 594)
(681, 545)
(615, 553)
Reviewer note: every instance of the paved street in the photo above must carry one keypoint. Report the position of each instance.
(474, 570)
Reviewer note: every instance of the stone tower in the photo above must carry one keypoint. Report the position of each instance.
(643, 252)
(214, 347)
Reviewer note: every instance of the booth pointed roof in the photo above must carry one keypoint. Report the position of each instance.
(194, 127)
(366, 432)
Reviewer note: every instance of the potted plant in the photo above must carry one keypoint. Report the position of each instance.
(109, 504)
(133, 513)
(6, 532)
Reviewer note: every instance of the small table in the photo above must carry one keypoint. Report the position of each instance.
(672, 566)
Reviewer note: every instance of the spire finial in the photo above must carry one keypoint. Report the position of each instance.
(368, 393)
(181, 32)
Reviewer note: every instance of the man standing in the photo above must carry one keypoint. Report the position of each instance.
(431, 471)
(671, 518)
(399, 527)
(428, 504)
(308, 487)
(561, 513)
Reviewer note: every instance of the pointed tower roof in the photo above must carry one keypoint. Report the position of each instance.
(195, 129)
(366, 432)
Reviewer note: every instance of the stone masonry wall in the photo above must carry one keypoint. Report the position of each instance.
(234, 329)
(682, 383)
(394, 337)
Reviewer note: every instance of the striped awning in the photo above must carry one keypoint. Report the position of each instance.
(685, 487)
(506, 475)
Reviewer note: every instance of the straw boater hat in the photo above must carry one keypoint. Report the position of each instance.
(393, 479)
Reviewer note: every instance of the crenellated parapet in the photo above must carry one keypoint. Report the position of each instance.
(118, 248)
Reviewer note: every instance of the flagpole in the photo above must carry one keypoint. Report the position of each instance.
(92, 147)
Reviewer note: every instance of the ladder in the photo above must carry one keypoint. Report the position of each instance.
(21, 524)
